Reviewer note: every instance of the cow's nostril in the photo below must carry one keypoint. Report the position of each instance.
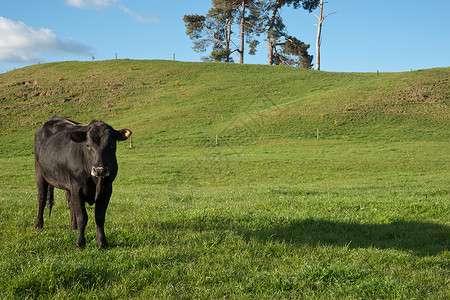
(99, 172)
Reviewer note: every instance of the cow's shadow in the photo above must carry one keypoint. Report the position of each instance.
(423, 239)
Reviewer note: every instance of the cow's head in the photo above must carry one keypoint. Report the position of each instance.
(100, 140)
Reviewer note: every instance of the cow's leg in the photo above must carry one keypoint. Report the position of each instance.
(78, 206)
(42, 187)
(73, 217)
(50, 198)
(100, 211)
(82, 218)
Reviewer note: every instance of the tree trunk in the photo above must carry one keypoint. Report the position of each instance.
(270, 51)
(241, 49)
(227, 39)
(270, 29)
(319, 31)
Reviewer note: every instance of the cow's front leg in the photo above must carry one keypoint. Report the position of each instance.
(100, 211)
(82, 218)
(78, 206)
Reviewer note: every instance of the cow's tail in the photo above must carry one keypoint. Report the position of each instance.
(50, 199)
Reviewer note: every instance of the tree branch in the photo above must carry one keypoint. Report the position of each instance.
(328, 15)
(214, 36)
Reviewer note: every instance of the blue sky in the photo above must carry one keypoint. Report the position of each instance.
(363, 35)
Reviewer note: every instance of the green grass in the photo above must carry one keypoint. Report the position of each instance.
(267, 212)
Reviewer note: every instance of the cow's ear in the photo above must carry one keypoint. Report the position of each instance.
(78, 136)
(123, 134)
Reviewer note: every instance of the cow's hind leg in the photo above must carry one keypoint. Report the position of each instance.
(50, 198)
(42, 187)
(73, 217)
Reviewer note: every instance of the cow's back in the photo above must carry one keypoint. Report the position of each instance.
(56, 126)
(56, 156)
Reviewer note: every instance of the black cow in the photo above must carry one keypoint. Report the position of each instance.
(82, 161)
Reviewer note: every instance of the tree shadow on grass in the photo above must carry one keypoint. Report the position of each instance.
(424, 239)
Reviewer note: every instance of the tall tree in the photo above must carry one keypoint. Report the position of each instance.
(216, 29)
(280, 46)
(241, 32)
(246, 32)
(274, 28)
(319, 32)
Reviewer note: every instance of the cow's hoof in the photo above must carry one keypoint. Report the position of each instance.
(103, 245)
(39, 226)
(79, 247)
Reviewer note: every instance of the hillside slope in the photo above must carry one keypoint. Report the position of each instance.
(270, 212)
(177, 103)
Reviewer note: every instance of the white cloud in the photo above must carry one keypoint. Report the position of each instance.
(21, 43)
(137, 16)
(91, 4)
(104, 4)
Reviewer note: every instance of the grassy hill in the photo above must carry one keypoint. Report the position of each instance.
(174, 103)
(227, 192)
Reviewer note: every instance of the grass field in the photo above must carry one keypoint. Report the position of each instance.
(228, 192)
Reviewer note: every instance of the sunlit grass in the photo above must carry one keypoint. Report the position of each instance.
(269, 211)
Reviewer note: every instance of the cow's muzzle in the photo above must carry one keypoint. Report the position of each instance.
(99, 172)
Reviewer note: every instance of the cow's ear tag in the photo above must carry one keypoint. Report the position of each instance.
(78, 136)
(123, 134)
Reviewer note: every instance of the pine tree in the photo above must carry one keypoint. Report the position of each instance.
(224, 23)
(245, 20)
(283, 48)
